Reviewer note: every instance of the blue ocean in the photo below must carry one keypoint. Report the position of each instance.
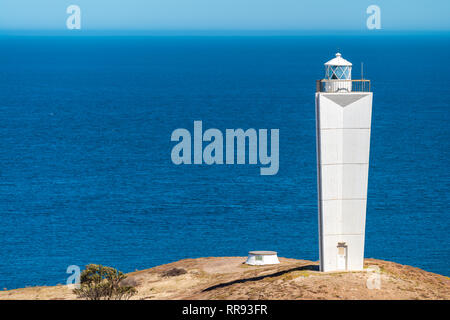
(85, 153)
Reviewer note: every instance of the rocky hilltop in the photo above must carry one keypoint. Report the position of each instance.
(230, 278)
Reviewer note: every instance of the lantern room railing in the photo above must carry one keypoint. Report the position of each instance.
(342, 86)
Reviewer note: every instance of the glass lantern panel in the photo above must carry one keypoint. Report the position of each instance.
(339, 72)
(346, 74)
(328, 72)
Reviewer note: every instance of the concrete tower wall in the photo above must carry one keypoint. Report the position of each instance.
(343, 141)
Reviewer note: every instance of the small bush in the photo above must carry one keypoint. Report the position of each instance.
(129, 282)
(174, 272)
(103, 283)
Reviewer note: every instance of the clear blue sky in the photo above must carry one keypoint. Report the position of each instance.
(225, 14)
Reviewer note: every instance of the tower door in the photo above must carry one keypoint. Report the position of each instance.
(341, 257)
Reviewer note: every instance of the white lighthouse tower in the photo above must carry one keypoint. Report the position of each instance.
(343, 119)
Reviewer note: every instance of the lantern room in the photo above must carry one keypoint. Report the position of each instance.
(338, 69)
(338, 75)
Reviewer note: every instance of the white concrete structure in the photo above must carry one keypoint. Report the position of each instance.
(343, 121)
(259, 258)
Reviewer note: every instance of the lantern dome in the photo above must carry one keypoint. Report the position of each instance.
(338, 61)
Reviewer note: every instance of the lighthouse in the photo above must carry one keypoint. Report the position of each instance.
(343, 121)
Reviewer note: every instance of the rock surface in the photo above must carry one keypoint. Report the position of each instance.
(229, 278)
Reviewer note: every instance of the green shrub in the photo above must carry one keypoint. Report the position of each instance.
(103, 283)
